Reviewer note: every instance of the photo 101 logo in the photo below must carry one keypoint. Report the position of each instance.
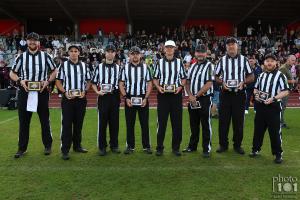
(285, 186)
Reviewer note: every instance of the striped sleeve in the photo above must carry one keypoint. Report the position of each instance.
(210, 73)
(60, 74)
(257, 81)
(189, 73)
(157, 74)
(182, 72)
(50, 62)
(122, 74)
(218, 70)
(248, 68)
(148, 75)
(95, 76)
(17, 64)
(88, 73)
(283, 83)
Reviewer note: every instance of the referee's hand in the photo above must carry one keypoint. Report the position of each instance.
(44, 84)
(178, 90)
(24, 84)
(268, 101)
(128, 102)
(68, 96)
(225, 86)
(160, 90)
(82, 95)
(241, 85)
(101, 93)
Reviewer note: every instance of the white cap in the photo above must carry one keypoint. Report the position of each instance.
(170, 43)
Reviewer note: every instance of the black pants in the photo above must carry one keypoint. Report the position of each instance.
(108, 114)
(73, 112)
(201, 115)
(130, 113)
(232, 106)
(268, 117)
(169, 104)
(25, 118)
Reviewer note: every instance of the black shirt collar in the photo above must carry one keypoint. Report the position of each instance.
(72, 63)
(33, 54)
(237, 55)
(202, 63)
(167, 60)
(138, 65)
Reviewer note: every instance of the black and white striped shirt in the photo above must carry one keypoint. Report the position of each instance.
(199, 74)
(107, 74)
(33, 67)
(233, 68)
(135, 78)
(169, 72)
(74, 75)
(272, 83)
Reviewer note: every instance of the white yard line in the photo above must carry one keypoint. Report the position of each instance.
(8, 120)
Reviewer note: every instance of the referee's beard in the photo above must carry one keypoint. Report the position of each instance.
(33, 49)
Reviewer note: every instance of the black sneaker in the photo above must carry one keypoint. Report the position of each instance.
(147, 151)
(188, 150)
(254, 154)
(176, 153)
(221, 149)
(284, 126)
(128, 151)
(81, 150)
(65, 156)
(278, 159)
(102, 152)
(47, 151)
(205, 154)
(239, 150)
(20, 154)
(159, 152)
(116, 150)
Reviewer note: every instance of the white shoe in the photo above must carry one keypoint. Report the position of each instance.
(246, 112)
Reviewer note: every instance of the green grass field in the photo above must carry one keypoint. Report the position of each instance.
(140, 176)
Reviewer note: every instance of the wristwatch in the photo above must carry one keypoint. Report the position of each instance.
(274, 99)
(18, 82)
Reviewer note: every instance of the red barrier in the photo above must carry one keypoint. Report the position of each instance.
(107, 25)
(8, 26)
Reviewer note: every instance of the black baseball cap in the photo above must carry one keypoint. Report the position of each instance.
(73, 46)
(270, 55)
(231, 40)
(33, 36)
(135, 49)
(201, 48)
(110, 47)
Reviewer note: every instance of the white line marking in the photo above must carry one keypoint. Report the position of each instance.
(8, 120)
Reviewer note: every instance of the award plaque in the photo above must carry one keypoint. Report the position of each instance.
(136, 101)
(34, 86)
(262, 96)
(170, 88)
(196, 105)
(75, 93)
(106, 88)
(232, 83)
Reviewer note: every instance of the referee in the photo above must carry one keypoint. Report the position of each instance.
(33, 65)
(268, 111)
(136, 81)
(199, 87)
(169, 71)
(72, 75)
(108, 102)
(232, 68)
